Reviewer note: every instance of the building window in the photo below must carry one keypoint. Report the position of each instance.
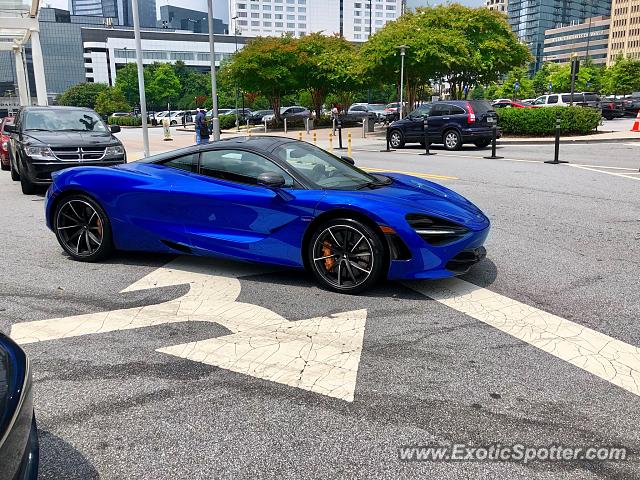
(242, 6)
(242, 14)
(302, 26)
(255, 15)
(291, 25)
(266, 24)
(279, 24)
(302, 9)
(291, 9)
(291, 17)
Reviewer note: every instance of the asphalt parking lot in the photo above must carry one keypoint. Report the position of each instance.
(537, 345)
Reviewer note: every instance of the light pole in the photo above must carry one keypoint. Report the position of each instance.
(143, 97)
(403, 49)
(215, 121)
(235, 39)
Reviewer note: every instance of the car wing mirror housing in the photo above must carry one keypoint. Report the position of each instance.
(271, 180)
(10, 128)
(114, 128)
(348, 160)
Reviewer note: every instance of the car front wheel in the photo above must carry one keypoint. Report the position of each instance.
(345, 255)
(452, 140)
(396, 139)
(482, 143)
(83, 228)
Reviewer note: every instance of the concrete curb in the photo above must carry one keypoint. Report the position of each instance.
(566, 140)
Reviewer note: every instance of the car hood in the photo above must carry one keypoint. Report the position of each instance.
(410, 194)
(70, 139)
(13, 366)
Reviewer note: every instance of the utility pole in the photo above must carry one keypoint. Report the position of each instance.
(215, 121)
(143, 97)
(403, 49)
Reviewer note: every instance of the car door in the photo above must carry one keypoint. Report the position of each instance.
(439, 116)
(226, 212)
(415, 126)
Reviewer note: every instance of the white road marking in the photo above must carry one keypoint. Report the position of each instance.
(623, 175)
(321, 355)
(608, 358)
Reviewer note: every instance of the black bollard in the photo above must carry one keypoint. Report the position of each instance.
(556, 156)
(425, 130)
(388, 149)
(340, 147)
(494, 137)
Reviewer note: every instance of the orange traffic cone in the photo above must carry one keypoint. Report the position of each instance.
(636, 124)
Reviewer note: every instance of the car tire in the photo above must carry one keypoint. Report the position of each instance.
(345, 255)
(15, 176)
(482, 143)
(4, 167)
(396, 139)
(27, 186)
(82, 228)
(452, 140)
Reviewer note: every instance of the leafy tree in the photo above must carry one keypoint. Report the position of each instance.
(560, 76)
(163, 85)
(82, 95)
(264, 66)
(110, 101)
(622, 78)
(525, 87)
(127, 83)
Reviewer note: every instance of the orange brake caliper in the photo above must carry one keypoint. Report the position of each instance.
(326, 251)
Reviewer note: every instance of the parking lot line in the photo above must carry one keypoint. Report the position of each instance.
(608, 358)
(623, 175)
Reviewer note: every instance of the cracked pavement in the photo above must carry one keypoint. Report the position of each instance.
(173, 368)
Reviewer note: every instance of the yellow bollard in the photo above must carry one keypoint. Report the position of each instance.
(330, 142)
(349, 144)
(315, 138)
(250, 134)
(300, 136)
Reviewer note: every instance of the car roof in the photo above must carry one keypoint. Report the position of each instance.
(53, 107)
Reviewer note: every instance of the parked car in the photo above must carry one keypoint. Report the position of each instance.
(218, 197)
(243, 113)
(630, 106)
(392, 110)
(290, 113)
(256, 117)
(221, 111)
(509, 104)
(19, 446)
(47, 139)
(121, 114)
(451, 123)
(4, 143)
(612, 109)
(180, 116)
(358, 112)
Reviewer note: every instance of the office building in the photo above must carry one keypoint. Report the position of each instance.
(178, 18)
(355, 20)
(117, 9)
(106, 50)
(497, 5)
(581, 40)
(531, 18)
(624, 37)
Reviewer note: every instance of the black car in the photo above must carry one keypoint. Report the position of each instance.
(256, 117)
(47, 139)
(451, 123)
(19, 447)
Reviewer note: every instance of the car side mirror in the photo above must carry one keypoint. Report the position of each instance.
(115, 128)
(271, 180)
(348, 160)
(10, 128)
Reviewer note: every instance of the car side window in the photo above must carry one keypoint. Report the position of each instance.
(439, 110)
(455, 110)
(187, 163)
(552, 99)
(239, 166)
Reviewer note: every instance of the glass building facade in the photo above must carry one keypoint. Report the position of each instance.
(531, 18)
(120, 9)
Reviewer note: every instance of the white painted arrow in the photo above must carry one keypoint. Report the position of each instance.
(321, 355)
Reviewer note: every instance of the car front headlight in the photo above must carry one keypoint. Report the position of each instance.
(39, 153)
(114, 151)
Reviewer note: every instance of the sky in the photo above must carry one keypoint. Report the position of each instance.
(221, 7)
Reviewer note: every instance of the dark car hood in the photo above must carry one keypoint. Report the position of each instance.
(70, 139)
(12, 375)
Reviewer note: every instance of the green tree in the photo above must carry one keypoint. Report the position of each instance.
(264, 66)
(162, 86)
(82, 95)
(110, 101)
(622, 78)
(127, 83)
(525, 85)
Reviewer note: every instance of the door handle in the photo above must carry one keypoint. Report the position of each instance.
(446, 118)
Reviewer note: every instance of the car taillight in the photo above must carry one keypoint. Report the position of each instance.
(612, 106)
(471, 116)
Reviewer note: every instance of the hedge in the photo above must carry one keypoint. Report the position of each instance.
(542, 121)
(125, 121)
(227, 122)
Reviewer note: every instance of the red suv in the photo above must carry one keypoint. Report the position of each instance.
(4, 142)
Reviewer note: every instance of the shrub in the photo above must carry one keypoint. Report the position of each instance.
(227, 122)
(542, 121)
(125, 121)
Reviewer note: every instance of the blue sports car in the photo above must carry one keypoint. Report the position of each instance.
(273, 200)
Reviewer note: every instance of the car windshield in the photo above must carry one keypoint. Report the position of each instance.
(376, 107)
(422, 110)
(57, 120)
(322, 169)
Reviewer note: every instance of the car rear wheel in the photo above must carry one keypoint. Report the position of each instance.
(452, 140)
(482, 143)
(4, 166)
(345, 255)
(396, 139)
(83, 228)
(28, 187)
(15, 176)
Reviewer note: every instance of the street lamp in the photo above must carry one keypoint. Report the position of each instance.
(235, 38)
(215, 121)
(403, 49)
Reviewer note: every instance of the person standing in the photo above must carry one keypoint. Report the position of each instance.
(202, 129)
